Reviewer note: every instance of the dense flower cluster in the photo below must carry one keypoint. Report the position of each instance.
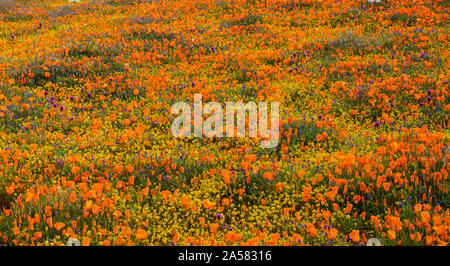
(85, 144)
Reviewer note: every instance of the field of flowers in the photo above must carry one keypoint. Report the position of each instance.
(86, 150)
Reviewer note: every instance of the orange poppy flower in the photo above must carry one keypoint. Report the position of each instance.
(425, 217)
(126, 122)
(296, 238)
(268, 176)
(429, 240)
(88, 204)
(226, 175)
(300, 173)
(214, 227)
(354, 236)
(225, 202)
(59, 226)
(7, 212)
(332, 233)
(141, 234)
(208, 204)
(386, 186)
(129, 168)
(306, 193)
(185, 202)
(86, 241)
(16, 231)
(75, 170)
(49, 222)
(165, 194)
(391, 234)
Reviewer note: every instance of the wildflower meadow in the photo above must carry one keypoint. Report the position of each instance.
(361, 147)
